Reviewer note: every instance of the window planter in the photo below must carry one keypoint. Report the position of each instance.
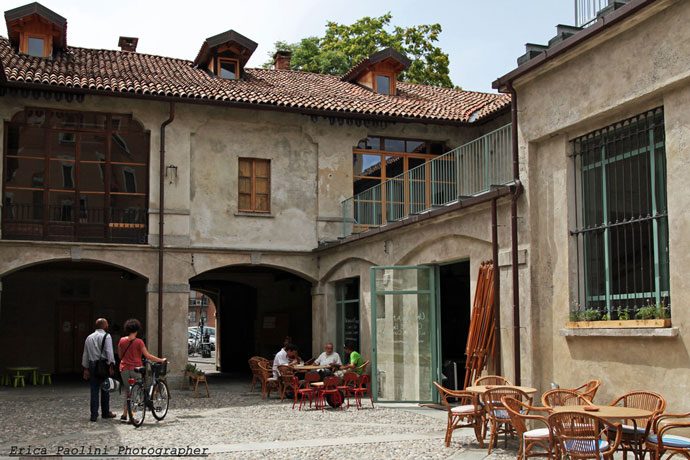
(625, 324)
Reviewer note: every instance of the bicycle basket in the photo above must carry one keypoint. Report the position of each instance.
(160, 368)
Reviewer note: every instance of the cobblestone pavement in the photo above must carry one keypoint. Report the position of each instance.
(233, 423)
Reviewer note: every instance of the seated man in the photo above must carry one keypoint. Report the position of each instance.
(355, 358)
(328, 358)
(286, 356)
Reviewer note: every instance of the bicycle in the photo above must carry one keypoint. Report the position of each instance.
(155, 396)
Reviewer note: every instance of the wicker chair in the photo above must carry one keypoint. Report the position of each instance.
(583, 436)
(536, 438)
(559, 397)
(492, 380)
(662, 441)
(635, 433)
(285, 379)
(589, 389)
(496, 413)
(268, 382)
(467, 413)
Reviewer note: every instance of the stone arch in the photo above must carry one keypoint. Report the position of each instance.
(326, 276)
(49, 260)
(436, 242)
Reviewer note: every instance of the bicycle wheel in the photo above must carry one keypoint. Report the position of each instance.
(136, 404)
(160, 400)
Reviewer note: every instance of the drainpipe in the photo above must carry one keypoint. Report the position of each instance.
(161, 224)
(514, 236)
(497, 287)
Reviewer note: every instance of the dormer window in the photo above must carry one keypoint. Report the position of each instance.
(379, 72)
(225, 55)
(36, 47)
(35, 30)
(228, 68)
(383, 84)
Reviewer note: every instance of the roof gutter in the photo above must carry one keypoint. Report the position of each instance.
(603, 23)
(246, 105)
(161, 223)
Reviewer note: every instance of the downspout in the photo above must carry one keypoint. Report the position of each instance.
(514, 236)
(161, 224)
(497, 287)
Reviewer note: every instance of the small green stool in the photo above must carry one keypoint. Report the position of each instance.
(45, 377)
(17, 379)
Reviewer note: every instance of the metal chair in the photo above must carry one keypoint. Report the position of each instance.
(363, 388)
(467, 413)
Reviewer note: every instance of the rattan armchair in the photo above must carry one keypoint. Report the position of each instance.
(492, 380)
(466, 413)
(663, 441)
(635, 432)
(589, 389)
(496, 413)
(534, 439)
(268, 382)
(285, 374)
(560, 397)
(256, 372)
(583, 436)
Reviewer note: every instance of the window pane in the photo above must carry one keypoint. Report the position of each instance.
(262, 186)
(128, 179)
(245, 185)
(245, 167)
(228, 70)
(245, 202)
(129, 148)
(394, 166)
(415, 146)
(35, 47)
(394, 145)
(364, 184)
(22, 172)
(63, 145)
(128, 209)
(61, 206)
(92, 208)
(262, 203)
(383, 84)
(91, 177)
(366, 165)
(61, 174)
(26, 141)
(262, 168)
(92, 147)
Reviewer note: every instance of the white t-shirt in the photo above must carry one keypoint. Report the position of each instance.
(281, 359)
(327, 360)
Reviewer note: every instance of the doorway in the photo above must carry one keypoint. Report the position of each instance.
(74, 325)
(455, 314)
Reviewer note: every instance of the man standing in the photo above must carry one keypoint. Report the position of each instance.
(98, 345)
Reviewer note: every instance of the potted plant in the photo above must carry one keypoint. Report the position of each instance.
(649, 315)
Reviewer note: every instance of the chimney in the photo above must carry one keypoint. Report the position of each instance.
(281, 60)
(128, 44)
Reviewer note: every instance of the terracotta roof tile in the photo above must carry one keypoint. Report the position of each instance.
(144, 74)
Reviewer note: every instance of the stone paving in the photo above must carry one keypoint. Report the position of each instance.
(233, 423)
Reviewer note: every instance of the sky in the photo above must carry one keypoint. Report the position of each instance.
(483, 38)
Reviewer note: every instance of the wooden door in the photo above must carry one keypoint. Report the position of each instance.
(74, 325)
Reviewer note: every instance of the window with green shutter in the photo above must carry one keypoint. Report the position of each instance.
(622, 220)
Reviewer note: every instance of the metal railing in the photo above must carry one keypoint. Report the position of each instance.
(586, 11)
(72, 223)
(465, 171)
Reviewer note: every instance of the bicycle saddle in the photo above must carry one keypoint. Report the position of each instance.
(141, 370)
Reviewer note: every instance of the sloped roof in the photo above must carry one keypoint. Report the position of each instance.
(143, 75)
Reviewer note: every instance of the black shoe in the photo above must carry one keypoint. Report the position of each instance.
(123, 418)
(94, 419)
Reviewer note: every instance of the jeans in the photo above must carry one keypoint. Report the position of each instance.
(95, 384)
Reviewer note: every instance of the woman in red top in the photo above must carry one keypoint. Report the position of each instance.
(131, 349)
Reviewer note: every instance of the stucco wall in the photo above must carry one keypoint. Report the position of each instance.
(630, 69)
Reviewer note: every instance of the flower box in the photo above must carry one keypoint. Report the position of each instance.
(632, 323)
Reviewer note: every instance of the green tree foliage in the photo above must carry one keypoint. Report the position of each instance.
(343, 46)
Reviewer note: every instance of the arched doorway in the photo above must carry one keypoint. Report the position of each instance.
(47, 310)
(256, 307)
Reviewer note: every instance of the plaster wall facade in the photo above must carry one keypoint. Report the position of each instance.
(630, 68)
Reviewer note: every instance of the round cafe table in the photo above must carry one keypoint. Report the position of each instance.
(481, 389)
(21, 370)
(308, 368)
(608, 412)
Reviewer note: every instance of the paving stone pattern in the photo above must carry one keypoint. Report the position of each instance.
(234, 423)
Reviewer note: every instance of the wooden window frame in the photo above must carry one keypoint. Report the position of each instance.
(221, 60)
(253, 205)
(391, 83)
(24, 43)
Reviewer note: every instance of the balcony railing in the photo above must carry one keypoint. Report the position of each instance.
(69, 223)
(468, 170)
(586, 11)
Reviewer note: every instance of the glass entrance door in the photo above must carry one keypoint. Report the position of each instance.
(404, 333)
